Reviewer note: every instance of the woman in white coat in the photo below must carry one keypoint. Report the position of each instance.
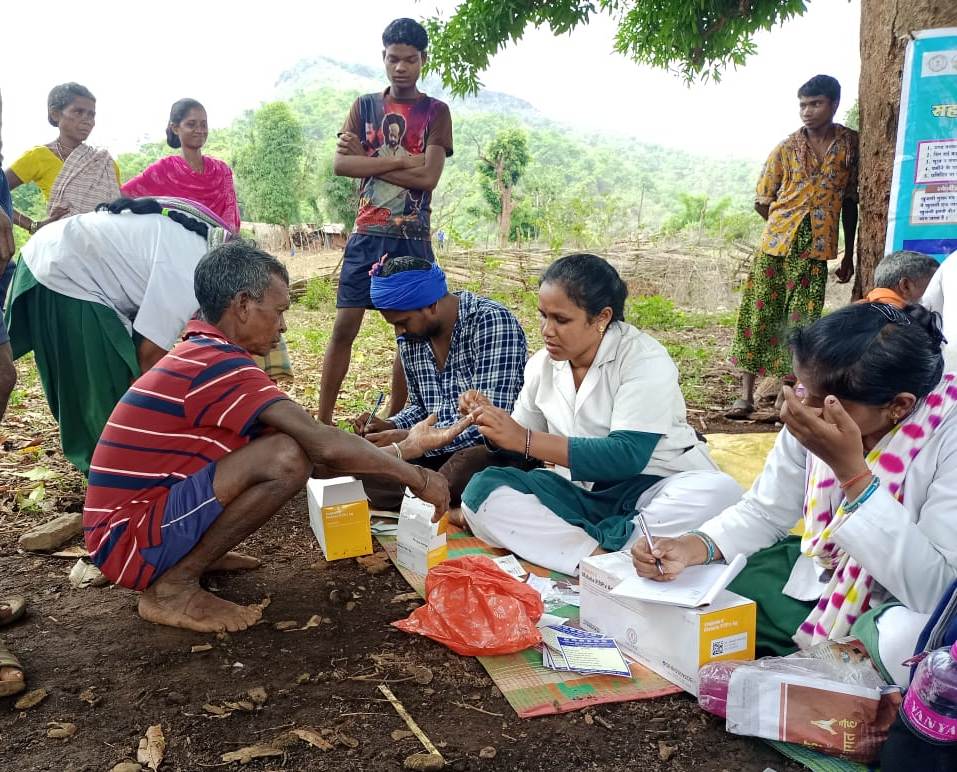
(869, 457)
(602, 410)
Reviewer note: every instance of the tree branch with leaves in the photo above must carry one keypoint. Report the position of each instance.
(697, 39)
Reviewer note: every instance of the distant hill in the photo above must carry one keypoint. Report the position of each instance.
(323, 72)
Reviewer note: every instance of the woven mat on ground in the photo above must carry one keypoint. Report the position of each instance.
(531, 689)
(818, 762)
(741, 455)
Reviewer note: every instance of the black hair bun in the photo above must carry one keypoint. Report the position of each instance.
(929, 320)
(171, 139)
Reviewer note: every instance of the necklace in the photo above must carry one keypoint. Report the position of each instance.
(59, 150)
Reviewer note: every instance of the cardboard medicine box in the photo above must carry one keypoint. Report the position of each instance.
(674, 641)
(420, 543)
(339, 516)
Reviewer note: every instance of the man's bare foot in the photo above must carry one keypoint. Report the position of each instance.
(192, 608)
(235, 561)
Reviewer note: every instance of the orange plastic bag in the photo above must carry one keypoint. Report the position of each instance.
(476, 609)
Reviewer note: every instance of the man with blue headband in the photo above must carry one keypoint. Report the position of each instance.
(449, 343)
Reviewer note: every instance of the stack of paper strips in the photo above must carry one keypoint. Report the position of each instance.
(569, 649)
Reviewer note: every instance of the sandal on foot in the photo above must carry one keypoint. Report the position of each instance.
(16, 685)
(740, 410)
(11, 609)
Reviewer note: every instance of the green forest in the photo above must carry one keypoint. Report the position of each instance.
(573, 190)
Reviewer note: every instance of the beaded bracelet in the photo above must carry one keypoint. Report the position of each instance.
(708, 543)
(528, 442)
(853, 506)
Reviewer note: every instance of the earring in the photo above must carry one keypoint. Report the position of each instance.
(601, 330)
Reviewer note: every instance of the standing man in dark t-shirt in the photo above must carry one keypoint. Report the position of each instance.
(396, 142)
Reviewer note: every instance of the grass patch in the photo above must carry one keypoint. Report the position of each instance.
(654, 312)
(319, 294)
(694, 363)
(696, 341)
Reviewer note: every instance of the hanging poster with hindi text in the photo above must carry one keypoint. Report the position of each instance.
(922, 213)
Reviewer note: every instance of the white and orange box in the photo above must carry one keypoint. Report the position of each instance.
(420, 544)
(674, 641)
(339, 516)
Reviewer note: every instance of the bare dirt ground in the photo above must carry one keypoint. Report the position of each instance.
(112, 675)
(88, 646)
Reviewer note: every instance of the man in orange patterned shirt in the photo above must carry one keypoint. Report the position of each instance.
(808, 183)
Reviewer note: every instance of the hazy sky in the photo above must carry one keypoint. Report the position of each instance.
(229, 54)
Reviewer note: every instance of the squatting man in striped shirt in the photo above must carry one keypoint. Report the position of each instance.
(204, 449)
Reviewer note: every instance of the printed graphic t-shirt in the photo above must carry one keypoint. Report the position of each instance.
(389, 127)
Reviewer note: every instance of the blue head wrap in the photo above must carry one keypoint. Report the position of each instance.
(407, 290)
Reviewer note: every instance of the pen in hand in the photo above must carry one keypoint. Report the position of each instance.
(651, 547)
(378, 404)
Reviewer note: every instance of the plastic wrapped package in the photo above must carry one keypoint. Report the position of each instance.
(829, 697)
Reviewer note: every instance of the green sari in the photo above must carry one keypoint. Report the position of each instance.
(84, 355)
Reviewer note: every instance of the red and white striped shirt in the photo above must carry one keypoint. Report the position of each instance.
(198, 403)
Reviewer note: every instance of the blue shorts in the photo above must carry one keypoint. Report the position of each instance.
(362, 252)
(191, 508)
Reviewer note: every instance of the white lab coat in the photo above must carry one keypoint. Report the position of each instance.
(943, 286)
(632, 385)
(909, 548)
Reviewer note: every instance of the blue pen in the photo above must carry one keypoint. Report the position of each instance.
(378, 404)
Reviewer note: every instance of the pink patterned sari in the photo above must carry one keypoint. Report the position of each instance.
(173, 176)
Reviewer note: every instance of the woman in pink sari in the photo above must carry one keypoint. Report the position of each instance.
(203, 179)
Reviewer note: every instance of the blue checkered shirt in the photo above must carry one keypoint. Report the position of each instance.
(487, 352)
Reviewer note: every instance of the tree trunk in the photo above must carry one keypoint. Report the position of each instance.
(885, 29)
(505, 196)
(505, 222)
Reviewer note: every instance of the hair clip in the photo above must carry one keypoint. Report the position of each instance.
(377, 267)
(891, 313)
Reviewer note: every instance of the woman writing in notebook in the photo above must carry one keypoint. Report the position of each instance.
(868, 456)
(601, 408)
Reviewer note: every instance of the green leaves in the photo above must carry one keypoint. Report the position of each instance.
(270, 165)
(460, 48)
(695, 39)
(500, 167)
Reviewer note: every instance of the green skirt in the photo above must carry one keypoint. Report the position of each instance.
(604, 513)
(779, 615)
(84, 356)
(781, 293)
